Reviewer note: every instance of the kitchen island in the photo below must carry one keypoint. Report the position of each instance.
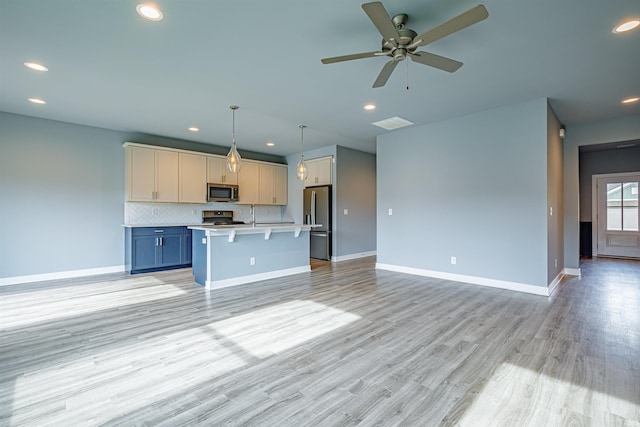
(228, 255)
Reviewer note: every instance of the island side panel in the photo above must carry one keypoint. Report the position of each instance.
(199, 256)
(281, 251)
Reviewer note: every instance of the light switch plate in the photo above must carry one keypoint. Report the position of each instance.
(346, 211)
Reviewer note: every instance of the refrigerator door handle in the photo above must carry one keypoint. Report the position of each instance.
(313, 207)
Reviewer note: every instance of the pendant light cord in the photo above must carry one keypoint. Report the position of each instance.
(233, 126)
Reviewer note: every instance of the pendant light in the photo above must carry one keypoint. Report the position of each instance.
(233, 158)
(301, 168)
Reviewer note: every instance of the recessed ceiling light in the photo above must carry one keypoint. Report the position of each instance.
(626, 26)
(37, 101)
(149, 11)
(35, 66)
(271, 144)
(369, 107)
(193, 129)
(392, 123)
(631, 100)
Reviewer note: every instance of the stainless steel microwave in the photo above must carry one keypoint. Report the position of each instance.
(222, 193)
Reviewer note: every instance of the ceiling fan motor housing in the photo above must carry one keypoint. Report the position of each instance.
(398, 53)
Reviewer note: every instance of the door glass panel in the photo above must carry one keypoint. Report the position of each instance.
(630, 206)
(614, 206)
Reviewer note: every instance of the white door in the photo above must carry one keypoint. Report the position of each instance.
(618, 215)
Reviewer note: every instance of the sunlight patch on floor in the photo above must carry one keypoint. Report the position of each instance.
(79, 300)
(281, 327)
(519, 396)
(132, 376)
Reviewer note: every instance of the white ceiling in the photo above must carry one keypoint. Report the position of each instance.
(110, 68)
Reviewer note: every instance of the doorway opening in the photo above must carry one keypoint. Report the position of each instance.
(615, 214)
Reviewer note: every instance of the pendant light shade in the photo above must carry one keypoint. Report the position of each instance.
(301, 168)
(233, 158)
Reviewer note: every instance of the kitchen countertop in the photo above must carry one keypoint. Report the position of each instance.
(259, 227)
(159, 225)
(231, 231)
(209, 226)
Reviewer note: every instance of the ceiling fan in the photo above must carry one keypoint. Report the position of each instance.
(398, 41)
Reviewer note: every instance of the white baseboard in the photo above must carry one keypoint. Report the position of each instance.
(217, 284)
(16, 280)
(555, 282)
(572, 272)
(474, 280)
(352, 256)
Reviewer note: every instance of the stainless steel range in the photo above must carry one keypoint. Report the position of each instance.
(219, 218)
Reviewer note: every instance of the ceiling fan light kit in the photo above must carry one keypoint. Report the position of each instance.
(399, 42)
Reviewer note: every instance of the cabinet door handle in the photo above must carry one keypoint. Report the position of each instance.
(161, 241)
(157, 242)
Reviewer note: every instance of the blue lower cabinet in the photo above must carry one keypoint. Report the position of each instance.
(157, 248)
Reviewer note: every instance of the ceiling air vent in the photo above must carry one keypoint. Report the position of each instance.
(392, 123)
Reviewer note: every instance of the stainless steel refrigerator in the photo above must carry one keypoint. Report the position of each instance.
(317, 210)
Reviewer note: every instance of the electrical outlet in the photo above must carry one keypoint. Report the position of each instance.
(346, 211)
(454, 260)
(154, 211)
(556, 262)
(390, 212)
(204, 240)
(550, 210)
(252, 260)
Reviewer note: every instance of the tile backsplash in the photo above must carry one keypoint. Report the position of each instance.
(179, 213)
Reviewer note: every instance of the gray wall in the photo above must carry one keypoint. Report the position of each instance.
(622, 129)
(615, 160)
(295, 206)
(354, 188)
(474, 187)
(555, 202)
(356, 191)
(62, 192)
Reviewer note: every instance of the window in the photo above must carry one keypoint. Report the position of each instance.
(622, 206)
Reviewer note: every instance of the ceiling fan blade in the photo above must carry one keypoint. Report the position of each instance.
(350, 57)
(380, 18)
(470, 17)
(385, 73)
(436, 61)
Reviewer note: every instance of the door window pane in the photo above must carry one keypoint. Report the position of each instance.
(614, 206)
(630, 206)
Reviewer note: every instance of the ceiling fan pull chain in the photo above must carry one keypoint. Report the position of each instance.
(407, 61)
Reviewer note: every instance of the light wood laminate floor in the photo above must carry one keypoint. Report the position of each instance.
(342, 345)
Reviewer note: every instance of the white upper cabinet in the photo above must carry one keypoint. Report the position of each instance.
(151, 175)
(273, 184)
(249, 183)
(156, 174)
(193, 176)
(281, 185)
(319, 171)
(218, 173)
